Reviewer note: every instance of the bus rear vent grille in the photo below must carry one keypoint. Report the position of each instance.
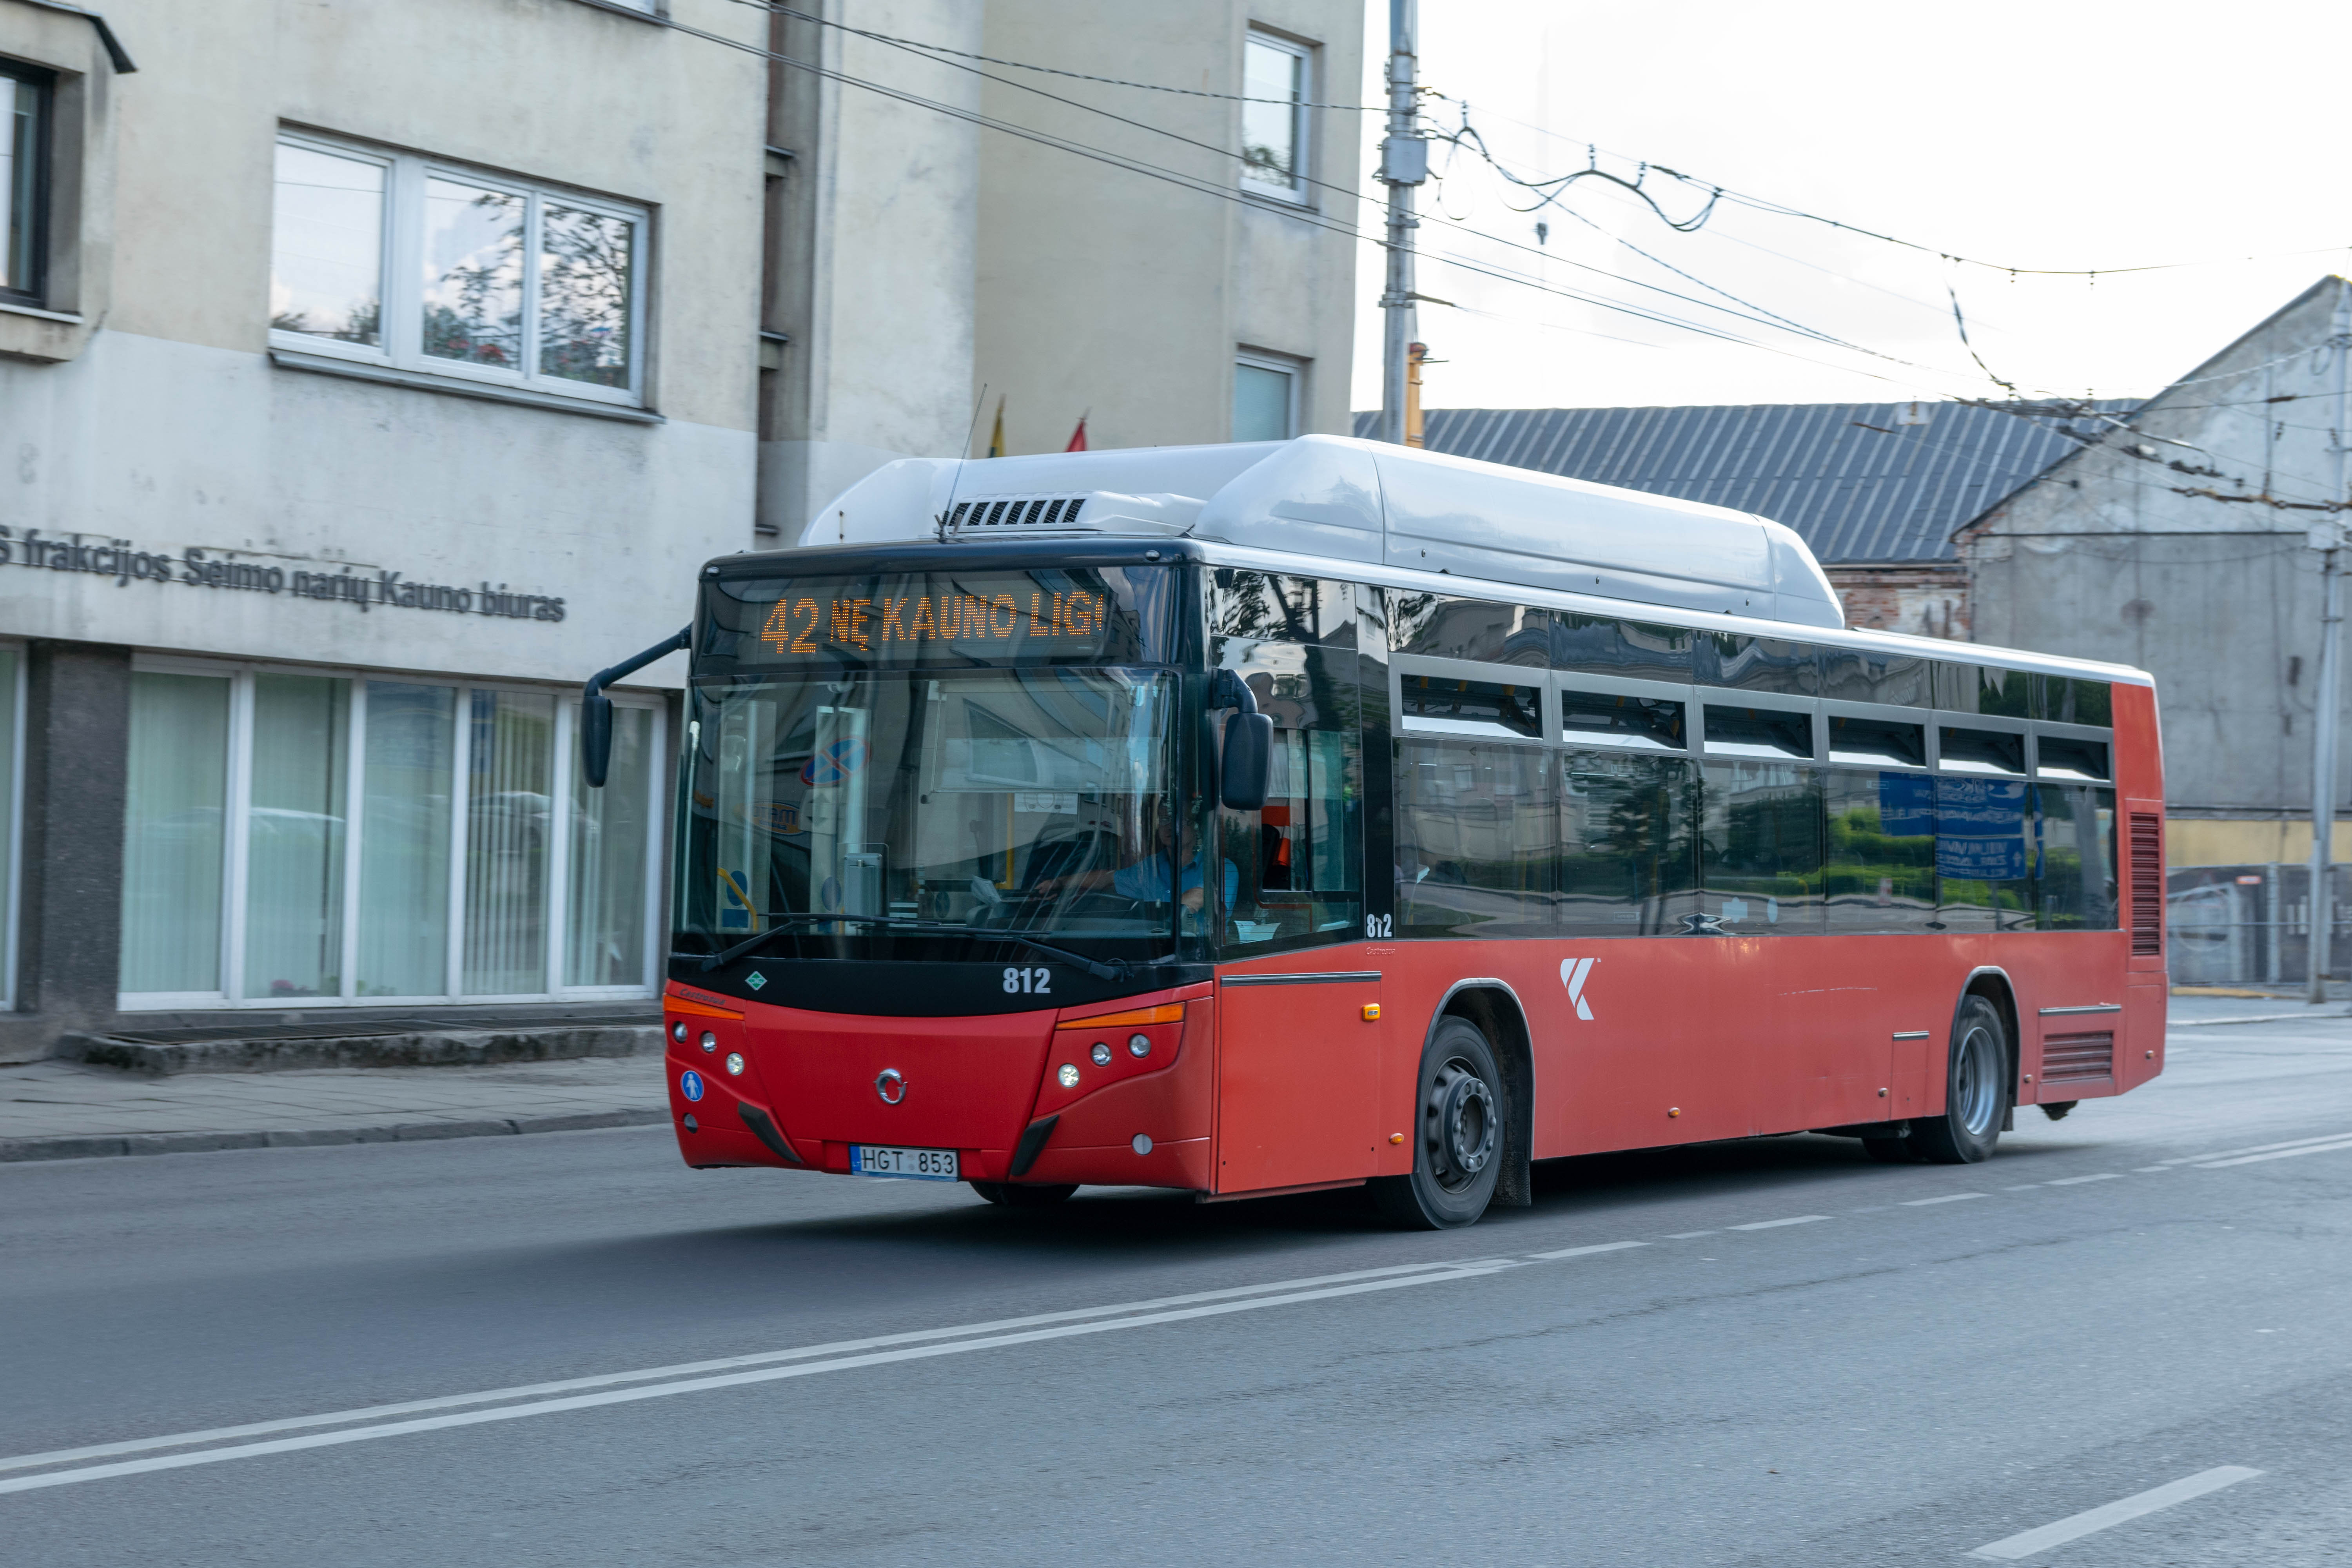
(992, 513)
(2069, 1057)
(2146, 884)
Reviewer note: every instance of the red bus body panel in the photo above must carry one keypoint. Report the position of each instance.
(1267, 1086)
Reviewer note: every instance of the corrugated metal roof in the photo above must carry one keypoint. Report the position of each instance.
(1856, 485)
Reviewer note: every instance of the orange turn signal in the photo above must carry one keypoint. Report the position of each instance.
(698, 1009)
(1166, 1013)
(1371, 1011)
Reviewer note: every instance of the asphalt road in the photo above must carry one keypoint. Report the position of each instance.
(1765, 1352)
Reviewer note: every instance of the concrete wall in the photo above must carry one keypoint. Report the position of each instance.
(2104, 557)
(876, 227)
(170, 428)
(1110, 294)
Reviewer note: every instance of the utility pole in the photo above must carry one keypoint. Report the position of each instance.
(1404, 165)
(2327, 537)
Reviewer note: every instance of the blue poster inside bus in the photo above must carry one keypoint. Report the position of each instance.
(1981, 829)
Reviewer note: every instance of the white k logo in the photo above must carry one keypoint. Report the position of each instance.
(1573, 972)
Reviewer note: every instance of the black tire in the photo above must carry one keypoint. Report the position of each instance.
(1458, 1153)
(1016, 1195)
(1890, 1150)
(1976, 1091)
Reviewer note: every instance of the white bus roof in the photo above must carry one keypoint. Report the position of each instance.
(1396, 514)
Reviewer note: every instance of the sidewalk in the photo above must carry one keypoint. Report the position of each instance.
(63, 1111)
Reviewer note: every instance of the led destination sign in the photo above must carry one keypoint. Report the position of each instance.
(1060, 615)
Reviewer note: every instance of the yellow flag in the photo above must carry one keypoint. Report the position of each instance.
(996, 437)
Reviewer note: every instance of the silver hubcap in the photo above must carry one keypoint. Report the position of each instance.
(1976, 1080)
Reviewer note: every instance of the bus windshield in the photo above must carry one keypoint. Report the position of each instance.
(920, 813)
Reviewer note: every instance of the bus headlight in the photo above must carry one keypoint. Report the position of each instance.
(1101, 1053)
(1068, 1074)
(709, 1041)
(735, 1064)
(1139, 1046)
(677, 1031)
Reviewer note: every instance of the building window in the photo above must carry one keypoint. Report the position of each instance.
(428, 267)
(12, 796)
(1276, 75)
(25, 99)
(1265, 398)
(333, 838)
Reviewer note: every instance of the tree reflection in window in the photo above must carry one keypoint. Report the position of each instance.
(473, 274)
(586, 267)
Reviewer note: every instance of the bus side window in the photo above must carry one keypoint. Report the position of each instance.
(1476, 838)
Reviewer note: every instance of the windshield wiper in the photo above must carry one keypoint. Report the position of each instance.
(1117, 969)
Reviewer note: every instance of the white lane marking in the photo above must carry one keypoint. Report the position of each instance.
(2026, 1543)
(2026, 1188)
(2148, 1170)
(1947, 1198)
(1687, 1235)
(2078, 1181)
(730, 1380)
(1777, 1224)
(2275, 1154)
(2257, 1149)
(1584, 1251)
(695, 1368)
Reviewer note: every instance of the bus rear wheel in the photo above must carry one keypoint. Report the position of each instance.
(1015, 1195)
(1976, 1091)
(1458, 1150)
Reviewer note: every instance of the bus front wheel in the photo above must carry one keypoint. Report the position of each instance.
(1458, 1148)
(1976, 1091)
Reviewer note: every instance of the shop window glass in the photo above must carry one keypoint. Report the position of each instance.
(1983, 880)
(404, 912)
(9, 807)
(611, 828)
(1476, 839)
(294, 837)
(1879, 872)
(173, 833)
(510, 742)
(1761, 848)
(2075, 828)
(1628, 845)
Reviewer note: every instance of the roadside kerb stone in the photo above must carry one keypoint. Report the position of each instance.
(88, 1148)
(438, 1048)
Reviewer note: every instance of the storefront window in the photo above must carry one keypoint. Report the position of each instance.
(12, 710)
(411, 754)
(244, 883)
(611, 834)
(172, 843)
(507, 808)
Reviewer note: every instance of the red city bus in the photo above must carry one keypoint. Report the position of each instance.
(1256, 819)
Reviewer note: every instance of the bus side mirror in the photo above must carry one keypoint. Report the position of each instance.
(597, 709)
(595, 737)
(1248, 762)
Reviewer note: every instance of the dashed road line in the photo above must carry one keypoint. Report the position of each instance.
(1687, 1235)
(2073, 1527)
(1582, 1251)
(1777, 1224)
(2078, 1181)
(1947, 1198)
(2275, 1154)
(2257, 1149)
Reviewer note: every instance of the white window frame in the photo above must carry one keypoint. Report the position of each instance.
(237, 801)
(401, 291)
(1302, 167)
(14, 783)
(1295, 369)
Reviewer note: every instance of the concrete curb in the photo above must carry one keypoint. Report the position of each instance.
(413, 1048)
(102, 1147)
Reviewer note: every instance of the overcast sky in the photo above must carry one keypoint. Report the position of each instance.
(2027, 135)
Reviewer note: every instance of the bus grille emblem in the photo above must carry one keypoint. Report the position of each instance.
(1573, 972)
(891, 1086)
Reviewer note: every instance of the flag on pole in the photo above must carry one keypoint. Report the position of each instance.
(1078, 436)
(996, 437)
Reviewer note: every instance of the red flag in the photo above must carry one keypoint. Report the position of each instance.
(1077, 436)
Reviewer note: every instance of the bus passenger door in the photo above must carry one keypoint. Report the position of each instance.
(1299, 1060)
